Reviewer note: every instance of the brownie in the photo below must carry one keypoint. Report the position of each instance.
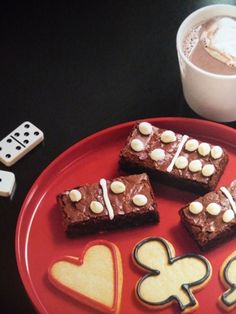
(130, 202)
(173, 158)
(211, 219)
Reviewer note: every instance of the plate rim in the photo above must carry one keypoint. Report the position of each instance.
(21, 264)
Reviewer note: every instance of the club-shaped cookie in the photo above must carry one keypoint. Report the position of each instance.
(94, 279)
(170, 278)
(228, 276)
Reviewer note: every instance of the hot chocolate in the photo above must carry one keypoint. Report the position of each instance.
(211, 45)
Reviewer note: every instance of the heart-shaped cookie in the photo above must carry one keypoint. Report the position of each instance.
(170, 278)
(94, 279)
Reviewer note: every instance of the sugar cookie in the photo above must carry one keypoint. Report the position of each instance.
(228, 276)
(100, 263)
(170, 278)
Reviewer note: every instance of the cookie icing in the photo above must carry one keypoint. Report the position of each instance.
(160, 278)
(228, 271)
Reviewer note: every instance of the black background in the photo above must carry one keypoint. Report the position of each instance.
(74, 68)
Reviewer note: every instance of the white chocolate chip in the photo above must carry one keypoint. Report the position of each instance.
(191, 145)
(208, 170)
(75, 195)
(168, 136)
(228, 215)
(216, 152)
(213, 209)
(96, 207)
(195, 165)
(140, 200)
(145, 128)
(204, 149)
(181, 162)
(195, 207)
(117, 187)
(157, 154)
(137, 145)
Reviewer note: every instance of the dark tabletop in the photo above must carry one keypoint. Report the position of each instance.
(73, 69)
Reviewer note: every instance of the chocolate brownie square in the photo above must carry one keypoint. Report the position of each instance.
(126, 201)
(173, 158)
(211, 219)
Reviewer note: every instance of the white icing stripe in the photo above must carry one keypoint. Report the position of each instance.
(230, 198)
(181, 145)
(103, 185)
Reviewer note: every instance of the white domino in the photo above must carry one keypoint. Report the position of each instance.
(7, 183)
(19, 142)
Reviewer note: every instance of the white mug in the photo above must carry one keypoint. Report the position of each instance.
(212, 96)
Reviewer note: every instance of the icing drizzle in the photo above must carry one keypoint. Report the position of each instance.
(230, 198)
(103, 185)
(180, 147)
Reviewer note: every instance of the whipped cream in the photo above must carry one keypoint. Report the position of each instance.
(219, 40)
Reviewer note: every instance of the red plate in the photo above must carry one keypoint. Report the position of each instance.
(40, 238)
